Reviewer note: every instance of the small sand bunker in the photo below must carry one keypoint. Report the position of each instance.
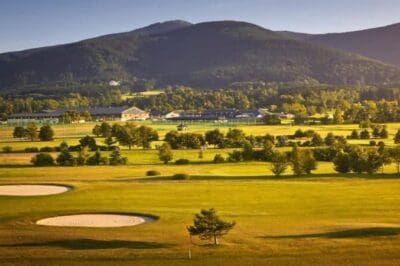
(32, 190)
(95, 220)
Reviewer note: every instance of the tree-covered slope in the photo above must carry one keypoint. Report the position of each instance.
(201, 55)
(381, 43)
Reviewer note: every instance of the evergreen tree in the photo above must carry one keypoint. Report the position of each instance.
(208, 225)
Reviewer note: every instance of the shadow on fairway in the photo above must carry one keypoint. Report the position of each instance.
(84, 244)
(351, 233)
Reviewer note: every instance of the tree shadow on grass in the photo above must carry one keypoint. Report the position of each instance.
(87, 244)
(351, 233)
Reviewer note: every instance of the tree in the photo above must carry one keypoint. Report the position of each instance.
(364, 134)
(384, 133)
(268, 150)
(208, 225)
(89, 142)
(31, 131)
(235, 138)
(342, 162)
(96, 159)
(308, 162)
(42, 159)
(376, 133)
(397, 137)
(46, 133)
(247, 152)
(116, 158)
(96, 130)
(165, 153)
(354, 134)
(105, 130)
(374, 162)
(146, 135)
(215, 137)
(65, 158)
(295, 159)
(82, 156)
(109, 142)
(127, 135)
(317, 140)
(19, 132)
(330, 139)
(279, 163)
(298, 134)
(338, 117)
(394, 154)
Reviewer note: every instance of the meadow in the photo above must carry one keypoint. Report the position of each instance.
(320, 219)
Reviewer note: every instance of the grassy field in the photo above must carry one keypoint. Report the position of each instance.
(312, 220)
(321, 219)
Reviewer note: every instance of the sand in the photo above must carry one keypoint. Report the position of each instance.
(95, 220)
(32, 190)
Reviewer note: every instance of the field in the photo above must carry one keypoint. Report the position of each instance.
(320, 219)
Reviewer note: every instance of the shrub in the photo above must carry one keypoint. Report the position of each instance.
(182, 161)
(152, 173)
(47, 149)
(372, 143)
(7, 149)
(181, 177)
(218, 158)
(31, 149)
(42, 159)
(235, 156)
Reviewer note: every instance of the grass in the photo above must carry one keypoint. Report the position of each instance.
(279, 221)
(320, 219)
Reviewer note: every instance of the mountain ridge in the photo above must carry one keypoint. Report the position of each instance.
(208, 54)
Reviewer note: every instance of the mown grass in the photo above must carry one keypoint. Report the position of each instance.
(320, 219)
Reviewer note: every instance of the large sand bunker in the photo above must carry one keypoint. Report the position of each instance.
(95, 220)
(32, 190)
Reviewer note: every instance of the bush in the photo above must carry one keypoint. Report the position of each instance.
(42, 159)
(7, 149)
(47, 149)
(152, 173)
(218, 158)
(31, 149)
(182, 161)
(372, 143)
(181, 177)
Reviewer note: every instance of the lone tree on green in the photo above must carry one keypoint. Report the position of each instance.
(209, 226)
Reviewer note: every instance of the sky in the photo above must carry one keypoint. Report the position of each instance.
(34, 23)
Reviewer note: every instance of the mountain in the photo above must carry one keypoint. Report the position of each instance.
(381, 43)
(207, 55)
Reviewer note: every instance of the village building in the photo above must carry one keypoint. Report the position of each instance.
(122, 113)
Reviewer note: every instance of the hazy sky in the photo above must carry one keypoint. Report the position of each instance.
(34, 23)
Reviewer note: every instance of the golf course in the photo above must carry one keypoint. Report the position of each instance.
(322, 218)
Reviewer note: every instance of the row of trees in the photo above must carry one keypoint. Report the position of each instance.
(65, 158)
(31, 132)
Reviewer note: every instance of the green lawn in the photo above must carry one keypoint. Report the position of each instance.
(314, 220)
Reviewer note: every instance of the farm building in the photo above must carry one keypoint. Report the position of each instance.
(123, 113)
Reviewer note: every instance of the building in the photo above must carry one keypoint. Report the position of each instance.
(122, 113)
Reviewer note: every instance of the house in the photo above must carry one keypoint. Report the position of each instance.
(122, 113)
(250, 114)
(181, 127)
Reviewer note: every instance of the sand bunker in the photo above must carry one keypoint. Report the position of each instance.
(32, 190)
(95, 220)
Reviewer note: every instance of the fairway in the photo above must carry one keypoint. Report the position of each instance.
(279, 221)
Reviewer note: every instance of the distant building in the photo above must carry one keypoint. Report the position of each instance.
(114, 83)
(181, 127)
(123, 113)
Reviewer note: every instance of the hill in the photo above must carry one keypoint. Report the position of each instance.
(208, 54)
(381, 43)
